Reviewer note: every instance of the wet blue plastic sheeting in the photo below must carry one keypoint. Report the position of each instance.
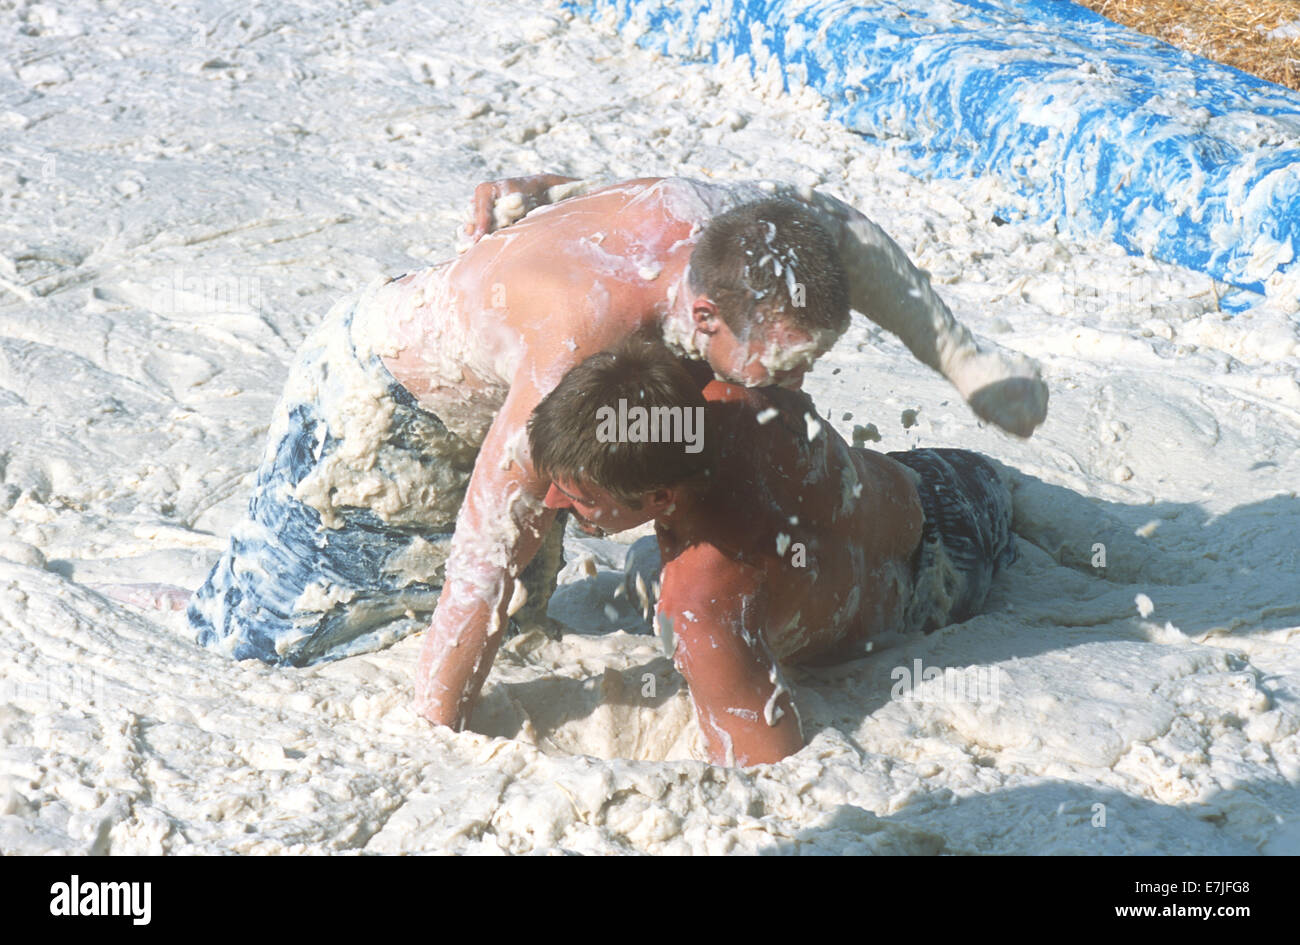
(1100, 128)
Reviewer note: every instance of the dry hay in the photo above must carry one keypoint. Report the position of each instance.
(1233, 32)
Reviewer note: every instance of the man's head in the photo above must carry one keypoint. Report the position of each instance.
(621, 437)
(767, 291)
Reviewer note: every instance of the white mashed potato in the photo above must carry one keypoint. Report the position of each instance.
(184, 200)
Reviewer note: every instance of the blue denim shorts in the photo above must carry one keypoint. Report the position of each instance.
(343, 547)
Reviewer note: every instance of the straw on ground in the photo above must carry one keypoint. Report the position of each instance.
(1261, 37)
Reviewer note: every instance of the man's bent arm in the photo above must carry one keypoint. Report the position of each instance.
(1001, 386)
(714, 606)
(499, 529)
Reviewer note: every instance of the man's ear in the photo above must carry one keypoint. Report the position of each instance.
(660, 500)
(705, 314)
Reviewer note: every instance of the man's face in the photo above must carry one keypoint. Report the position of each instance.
(772, 352)
(597, 512)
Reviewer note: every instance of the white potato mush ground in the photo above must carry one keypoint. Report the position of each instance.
(185, 191)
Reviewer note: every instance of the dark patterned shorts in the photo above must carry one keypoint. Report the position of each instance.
(966, 537)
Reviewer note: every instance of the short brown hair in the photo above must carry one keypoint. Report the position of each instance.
(755, 254)
(562, 431)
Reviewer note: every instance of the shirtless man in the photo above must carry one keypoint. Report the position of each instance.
(396, 473)
(781, 543)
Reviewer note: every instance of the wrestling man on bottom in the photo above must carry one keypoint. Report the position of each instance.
(780, 542)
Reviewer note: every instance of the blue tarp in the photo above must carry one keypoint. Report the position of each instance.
(1101, 129)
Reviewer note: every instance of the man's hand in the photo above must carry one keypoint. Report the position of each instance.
(1016, 404)
(498, 203)
(1001, 386)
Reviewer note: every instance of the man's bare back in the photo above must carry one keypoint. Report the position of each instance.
(525, 304)
(828, 530)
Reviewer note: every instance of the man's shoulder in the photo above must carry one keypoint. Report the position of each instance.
(699, 200)
(760, 405)
(719, 196)
(705, 573)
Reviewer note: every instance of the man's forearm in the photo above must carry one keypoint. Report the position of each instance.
(459, 649)
(887, 288)
(501, 203)
(494, 542)
(736, 736)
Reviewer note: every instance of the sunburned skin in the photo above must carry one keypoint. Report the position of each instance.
(770, 565)
(479, 341)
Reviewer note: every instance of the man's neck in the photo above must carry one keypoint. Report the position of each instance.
(677, 323)
(679, 523)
